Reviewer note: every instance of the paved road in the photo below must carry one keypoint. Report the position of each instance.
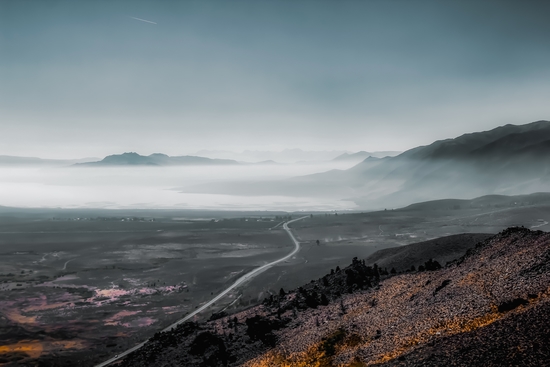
(68, 261)
(239, 281)
(541, 224)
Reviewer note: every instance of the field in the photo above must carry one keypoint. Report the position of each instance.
(71, 285)
(86, 285)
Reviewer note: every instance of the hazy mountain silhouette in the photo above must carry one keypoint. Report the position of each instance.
(362, 155)
(156, 159)
(9, 160)
(508, 160)
(283, 156)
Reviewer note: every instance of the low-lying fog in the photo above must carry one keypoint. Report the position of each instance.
(155, 187)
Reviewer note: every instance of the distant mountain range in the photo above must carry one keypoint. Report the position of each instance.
(509, 160)
(159, 159)
(284, 156)
(156, 159)
(362, 155)
(295, 155)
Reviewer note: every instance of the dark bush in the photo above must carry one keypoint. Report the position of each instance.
(204, 341)
(311, 300)
(432, 265)
(328, 345)
(218, 315)
(261, 328)
(510, 305)
(443, 285)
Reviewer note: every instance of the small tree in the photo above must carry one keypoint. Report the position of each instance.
(311, 300)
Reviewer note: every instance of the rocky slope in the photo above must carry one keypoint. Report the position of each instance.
(490, 307)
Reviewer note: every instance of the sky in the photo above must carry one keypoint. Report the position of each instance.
(86, 78)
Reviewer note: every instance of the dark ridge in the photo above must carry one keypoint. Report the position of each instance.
(442, 249)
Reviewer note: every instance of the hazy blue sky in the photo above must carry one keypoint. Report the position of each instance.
(83, 78)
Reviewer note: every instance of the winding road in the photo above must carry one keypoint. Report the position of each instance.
(65, 266)
(544, 222)
(237, 283)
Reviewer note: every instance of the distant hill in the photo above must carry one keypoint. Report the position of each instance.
(487, 308)
(362, 155)
(8, 160)
(156, 159)
(284, 156)
(486, 201)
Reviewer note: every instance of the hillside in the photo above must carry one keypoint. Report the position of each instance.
(501, 140)
(487, 308)
(443, 249)
(506, 160)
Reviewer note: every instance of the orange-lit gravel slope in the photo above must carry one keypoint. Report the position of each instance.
(412, 310)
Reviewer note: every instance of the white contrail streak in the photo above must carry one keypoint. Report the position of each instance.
(143, 20)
